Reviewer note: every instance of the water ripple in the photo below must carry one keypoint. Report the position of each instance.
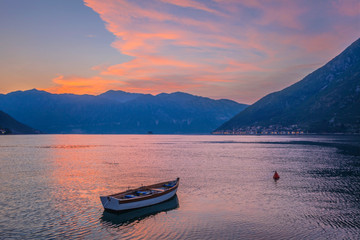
(226, 189)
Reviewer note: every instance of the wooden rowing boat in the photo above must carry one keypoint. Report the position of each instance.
(124, 218)
(140, 197)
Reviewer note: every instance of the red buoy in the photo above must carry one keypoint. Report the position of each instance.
(276, 176)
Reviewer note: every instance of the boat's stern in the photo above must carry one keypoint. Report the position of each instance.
(111, 203)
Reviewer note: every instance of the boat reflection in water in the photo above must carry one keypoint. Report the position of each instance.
(124, 218)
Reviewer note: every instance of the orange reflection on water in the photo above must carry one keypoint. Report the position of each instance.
(75, 170)
(87, 167)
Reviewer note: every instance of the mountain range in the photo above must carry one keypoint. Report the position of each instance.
(118, 112)
(325, 101)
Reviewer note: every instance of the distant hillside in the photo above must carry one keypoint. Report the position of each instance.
(325, 101)
(118, 112)
(9, 125)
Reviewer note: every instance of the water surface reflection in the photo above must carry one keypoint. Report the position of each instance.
(50, 186)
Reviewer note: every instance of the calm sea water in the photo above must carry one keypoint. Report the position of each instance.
(50, 186)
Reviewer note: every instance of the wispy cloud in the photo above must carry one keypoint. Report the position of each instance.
(218, 48)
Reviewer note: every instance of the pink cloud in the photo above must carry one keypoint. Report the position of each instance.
(190, 4)
(348, 8)
(281, 12)
(229, 46)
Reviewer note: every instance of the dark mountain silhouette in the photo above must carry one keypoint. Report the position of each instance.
(118, 112)
(9, 125)
(325, 101)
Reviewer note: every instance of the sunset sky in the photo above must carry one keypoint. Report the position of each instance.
(235, 49)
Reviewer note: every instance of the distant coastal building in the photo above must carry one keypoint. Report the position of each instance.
(4, 131)
(259, 130)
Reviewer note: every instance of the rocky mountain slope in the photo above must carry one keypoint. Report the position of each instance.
(325, 101)
(9, 125)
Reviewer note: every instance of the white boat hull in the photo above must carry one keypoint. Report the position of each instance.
(140, 197)
(114, 204)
